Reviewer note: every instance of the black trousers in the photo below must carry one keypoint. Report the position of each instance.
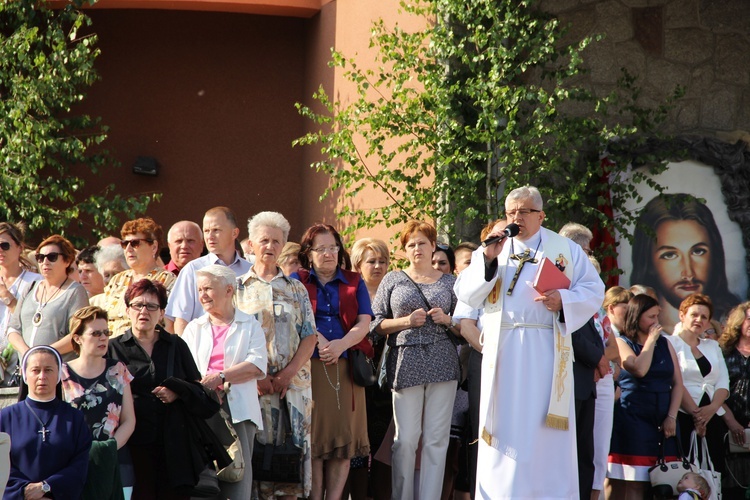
(585, 411)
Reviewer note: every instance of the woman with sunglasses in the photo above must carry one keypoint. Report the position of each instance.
(42, 316)
(16, 276)
(141, 240)
(100, 388)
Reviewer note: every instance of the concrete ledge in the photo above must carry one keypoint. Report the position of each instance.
(8, 396)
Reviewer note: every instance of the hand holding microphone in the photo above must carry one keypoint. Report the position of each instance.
(491, 248)
(510, 230)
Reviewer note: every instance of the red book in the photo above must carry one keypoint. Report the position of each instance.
(549, 277)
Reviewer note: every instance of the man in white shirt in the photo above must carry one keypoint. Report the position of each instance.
(220, 232)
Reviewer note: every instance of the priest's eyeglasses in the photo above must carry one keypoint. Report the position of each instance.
(522, 212)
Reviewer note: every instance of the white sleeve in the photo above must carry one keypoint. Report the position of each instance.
(471, 287)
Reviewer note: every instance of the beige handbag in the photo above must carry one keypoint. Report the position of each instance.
(234, 472)
(735, 447)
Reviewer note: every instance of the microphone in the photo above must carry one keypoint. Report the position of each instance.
(510, 231)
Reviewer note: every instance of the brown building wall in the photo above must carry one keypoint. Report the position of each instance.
(211, 97)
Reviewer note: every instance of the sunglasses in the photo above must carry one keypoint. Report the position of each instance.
(99, 333)
(135, 242)
(4, 246)
(52, 257)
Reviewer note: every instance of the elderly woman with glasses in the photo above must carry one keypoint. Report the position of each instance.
(141, 240)
(100, 388)
(342, 316)
(162, 464)
(229, 347)
(43, 315)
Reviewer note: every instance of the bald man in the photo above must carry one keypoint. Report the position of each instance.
(185, 241)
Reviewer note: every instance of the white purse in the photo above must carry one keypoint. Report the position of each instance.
(735, 447)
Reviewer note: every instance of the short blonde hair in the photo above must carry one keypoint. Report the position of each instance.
(361, 246)
(291, 249)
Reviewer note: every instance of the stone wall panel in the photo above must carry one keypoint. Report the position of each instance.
(687, 45)
(733, 59)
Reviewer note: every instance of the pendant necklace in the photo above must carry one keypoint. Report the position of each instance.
(522, 259)
(37, 318)
(336, 387)
(44, 430)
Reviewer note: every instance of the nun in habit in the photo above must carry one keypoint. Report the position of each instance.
(50, 440)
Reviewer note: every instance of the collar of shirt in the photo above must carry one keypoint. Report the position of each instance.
(339, 276)
(216, 260)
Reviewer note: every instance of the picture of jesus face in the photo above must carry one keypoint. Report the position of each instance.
(678, 250)
(682, 259)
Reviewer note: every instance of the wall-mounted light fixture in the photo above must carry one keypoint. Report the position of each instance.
(146, 165)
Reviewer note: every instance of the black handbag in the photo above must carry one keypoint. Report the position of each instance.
(364, 372)
(207, 485)
(280, 463)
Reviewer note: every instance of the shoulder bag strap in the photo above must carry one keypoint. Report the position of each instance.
(452, 336)
(419, 290)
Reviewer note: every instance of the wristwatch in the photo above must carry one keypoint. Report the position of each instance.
(454, 322)
(45, 487)
(221, 375)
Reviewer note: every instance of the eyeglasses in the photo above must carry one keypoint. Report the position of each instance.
(135, 242)
(99, 333)
(138, 306)
(4, 246)
(330, 250)
(52, 257)
(522, 212)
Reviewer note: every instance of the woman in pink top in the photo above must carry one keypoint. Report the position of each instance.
(229, 348)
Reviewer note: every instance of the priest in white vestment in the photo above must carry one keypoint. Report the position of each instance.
(527, 435)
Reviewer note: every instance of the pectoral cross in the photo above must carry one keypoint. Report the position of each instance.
(522, 259)
(44, 433)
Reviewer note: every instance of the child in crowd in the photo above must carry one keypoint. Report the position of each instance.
(693, 487)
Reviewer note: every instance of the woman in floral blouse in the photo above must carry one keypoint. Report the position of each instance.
(284, 310)
(100, 387)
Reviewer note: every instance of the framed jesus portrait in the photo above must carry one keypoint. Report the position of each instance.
(686, 242)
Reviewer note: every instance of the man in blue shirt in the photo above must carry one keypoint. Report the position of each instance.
(219, 233)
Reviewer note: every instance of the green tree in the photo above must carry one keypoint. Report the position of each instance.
(476, 104)
(46, 65)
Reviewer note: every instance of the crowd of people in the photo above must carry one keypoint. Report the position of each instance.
(309, 370)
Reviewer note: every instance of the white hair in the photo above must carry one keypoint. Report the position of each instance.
(526, 193)
(577, 232)
(268, 219)
(222, 274)
(108, 254)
